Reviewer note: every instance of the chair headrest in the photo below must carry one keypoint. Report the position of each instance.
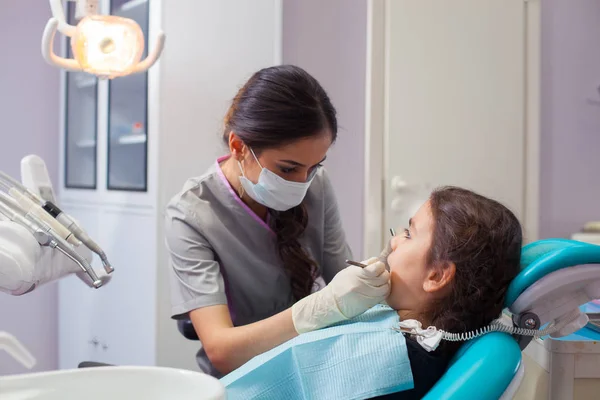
(543, 257)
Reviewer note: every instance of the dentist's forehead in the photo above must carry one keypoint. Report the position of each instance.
(306, 152)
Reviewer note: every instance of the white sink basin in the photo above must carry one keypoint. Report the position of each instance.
(112, 383)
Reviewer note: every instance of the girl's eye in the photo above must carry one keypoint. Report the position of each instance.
(407, 233)
(287, 170)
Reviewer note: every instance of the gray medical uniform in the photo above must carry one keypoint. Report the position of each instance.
(223, 253)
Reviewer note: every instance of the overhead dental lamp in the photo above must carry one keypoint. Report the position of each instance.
(107, 46)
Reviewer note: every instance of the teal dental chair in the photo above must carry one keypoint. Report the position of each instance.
(557, 277)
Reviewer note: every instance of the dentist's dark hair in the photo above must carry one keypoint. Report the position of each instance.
(483, 239)
(278, 106)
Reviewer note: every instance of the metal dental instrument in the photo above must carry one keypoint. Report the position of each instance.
(79, 233)
(29, 203)
(56, 213)
(45, 235)
(357, 264)
(29, 206)
(382, 256)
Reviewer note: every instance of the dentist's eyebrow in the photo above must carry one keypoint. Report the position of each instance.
(297, 164)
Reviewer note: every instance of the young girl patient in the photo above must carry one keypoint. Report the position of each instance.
(450, 268)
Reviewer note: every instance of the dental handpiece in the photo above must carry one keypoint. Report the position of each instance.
(13, 215)
(61, 245)
(29, 206)
(29, 203)
(78, 234)
(45, 235)
(42, 237)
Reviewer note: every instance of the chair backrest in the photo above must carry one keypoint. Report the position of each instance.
(482, 369)
(543, 257)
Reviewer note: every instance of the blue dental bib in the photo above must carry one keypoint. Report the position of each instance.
(357, 359)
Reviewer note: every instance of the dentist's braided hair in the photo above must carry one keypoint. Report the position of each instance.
(483, 239)
(278, 106)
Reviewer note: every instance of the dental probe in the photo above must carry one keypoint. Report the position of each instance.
(382, 257)
(356, 264)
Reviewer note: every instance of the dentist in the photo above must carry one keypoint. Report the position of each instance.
(254, 239)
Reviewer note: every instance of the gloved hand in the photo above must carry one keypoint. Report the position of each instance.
(24, 264)
(350, 293)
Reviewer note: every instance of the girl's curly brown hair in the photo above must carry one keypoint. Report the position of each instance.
(483, 239)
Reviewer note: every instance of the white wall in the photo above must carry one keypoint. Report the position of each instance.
(199, 76)
(29, 125)
(329, 39)
(570, 134)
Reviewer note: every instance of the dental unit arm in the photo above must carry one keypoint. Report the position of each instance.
(33, 169)
(39, 246)
(103, 45)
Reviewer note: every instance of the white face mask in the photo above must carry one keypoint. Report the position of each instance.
(273, 191)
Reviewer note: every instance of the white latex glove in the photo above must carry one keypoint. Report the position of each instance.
(24, 264)
(351, 292)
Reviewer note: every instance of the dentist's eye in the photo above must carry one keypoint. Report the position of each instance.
(287, 170)
(407, 233)
(313, 171)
